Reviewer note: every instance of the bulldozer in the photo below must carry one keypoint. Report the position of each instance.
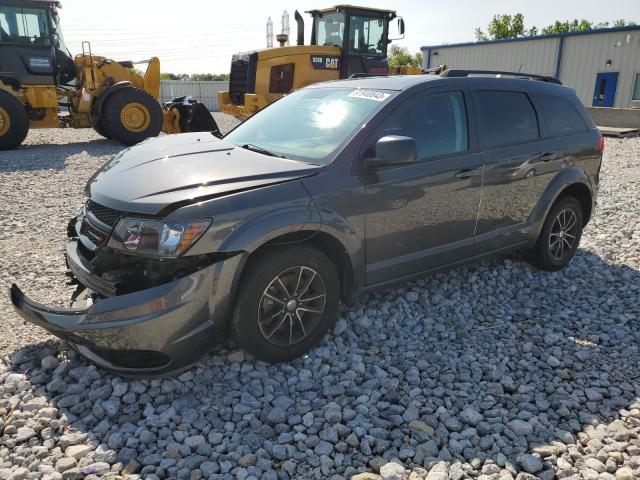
(43, 86)
(346, 41)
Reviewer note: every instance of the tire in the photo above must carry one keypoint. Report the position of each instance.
(131, 115)
(257, 328)
(99, 128)
(14, 123)
(560, 235)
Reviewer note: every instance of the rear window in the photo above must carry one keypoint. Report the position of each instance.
(561, 116)
(505, 118)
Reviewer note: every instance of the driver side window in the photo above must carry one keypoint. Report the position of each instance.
(20, 25)
(437, 122)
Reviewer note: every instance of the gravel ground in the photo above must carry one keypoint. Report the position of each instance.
(495, 371)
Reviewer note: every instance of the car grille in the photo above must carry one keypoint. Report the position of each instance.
(106, 215)
(238, 81)
(97, 237)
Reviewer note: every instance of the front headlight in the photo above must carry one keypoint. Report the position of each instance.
(150, 237)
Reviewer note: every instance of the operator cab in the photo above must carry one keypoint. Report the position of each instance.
(361, 33)
(32, 50)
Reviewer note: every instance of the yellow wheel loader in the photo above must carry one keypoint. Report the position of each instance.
(42, 86)
(345, 41)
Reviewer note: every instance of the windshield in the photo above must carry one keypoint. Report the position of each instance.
(24, 26)
(59, 39)
(330, 29)
(310, 124)
(366, 35)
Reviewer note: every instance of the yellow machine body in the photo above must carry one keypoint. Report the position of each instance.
(346, 40)
(283, 69)
(96, 75)
(405, 70)
(38, 76)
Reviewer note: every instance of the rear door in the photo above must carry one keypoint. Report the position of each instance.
(423, 215)
(515, 165)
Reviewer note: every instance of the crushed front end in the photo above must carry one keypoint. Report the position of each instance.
(143, 315)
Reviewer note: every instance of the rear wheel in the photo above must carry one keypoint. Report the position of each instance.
(560, 235)
(14, 123)
(130, 116)
(287, 302)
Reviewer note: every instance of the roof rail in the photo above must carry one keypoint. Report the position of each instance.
(531, 76)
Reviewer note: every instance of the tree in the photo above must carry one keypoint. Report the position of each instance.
(505, 26)
(400, 56)
(621, 22)
(569, 26)
(512, 26)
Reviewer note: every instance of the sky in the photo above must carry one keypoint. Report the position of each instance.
(199, 36)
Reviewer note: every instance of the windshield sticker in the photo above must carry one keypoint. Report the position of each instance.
(370, 95)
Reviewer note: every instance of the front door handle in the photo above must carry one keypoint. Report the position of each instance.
(468, 172)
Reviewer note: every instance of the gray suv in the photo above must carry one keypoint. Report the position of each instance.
(336, 189)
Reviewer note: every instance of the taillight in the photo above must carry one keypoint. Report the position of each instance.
(601, 144)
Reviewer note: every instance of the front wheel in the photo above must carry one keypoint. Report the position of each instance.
(14, 123)
(287, 302)
(560, 235)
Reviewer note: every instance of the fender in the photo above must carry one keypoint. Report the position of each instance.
(96, 108)
(341, 229)
(566, 177)
(244, 221)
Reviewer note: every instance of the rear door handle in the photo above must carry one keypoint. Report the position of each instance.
(468, 172)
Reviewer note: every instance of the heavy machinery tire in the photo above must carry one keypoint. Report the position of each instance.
(288, 300)
(14, 123)
(131, 115)
(98, 127)
(560, 235)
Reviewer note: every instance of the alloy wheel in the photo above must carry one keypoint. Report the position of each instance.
(563, 234)
(292, 306)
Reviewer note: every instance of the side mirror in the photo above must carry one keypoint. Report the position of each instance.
(394, 150)
(400, 30)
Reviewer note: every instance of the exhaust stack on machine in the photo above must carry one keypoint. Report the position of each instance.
(300, 24)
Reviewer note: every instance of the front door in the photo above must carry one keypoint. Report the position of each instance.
(422, 215)
(604, 93)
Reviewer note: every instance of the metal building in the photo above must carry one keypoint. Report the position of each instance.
(603, 66)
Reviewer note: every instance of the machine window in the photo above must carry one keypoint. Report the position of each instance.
(281, 78)
(24, 26)
(438, 123)
(561, 117)
(505, 118)
(330, 29)
(366, 35)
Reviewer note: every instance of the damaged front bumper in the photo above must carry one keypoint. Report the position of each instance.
(150, 332)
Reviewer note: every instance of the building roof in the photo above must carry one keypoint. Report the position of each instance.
(536, 37)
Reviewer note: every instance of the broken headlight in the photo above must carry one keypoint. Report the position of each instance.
(159, 239)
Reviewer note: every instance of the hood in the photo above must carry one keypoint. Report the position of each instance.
(152, 175)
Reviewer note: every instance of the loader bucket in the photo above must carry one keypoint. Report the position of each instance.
(184, 114)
